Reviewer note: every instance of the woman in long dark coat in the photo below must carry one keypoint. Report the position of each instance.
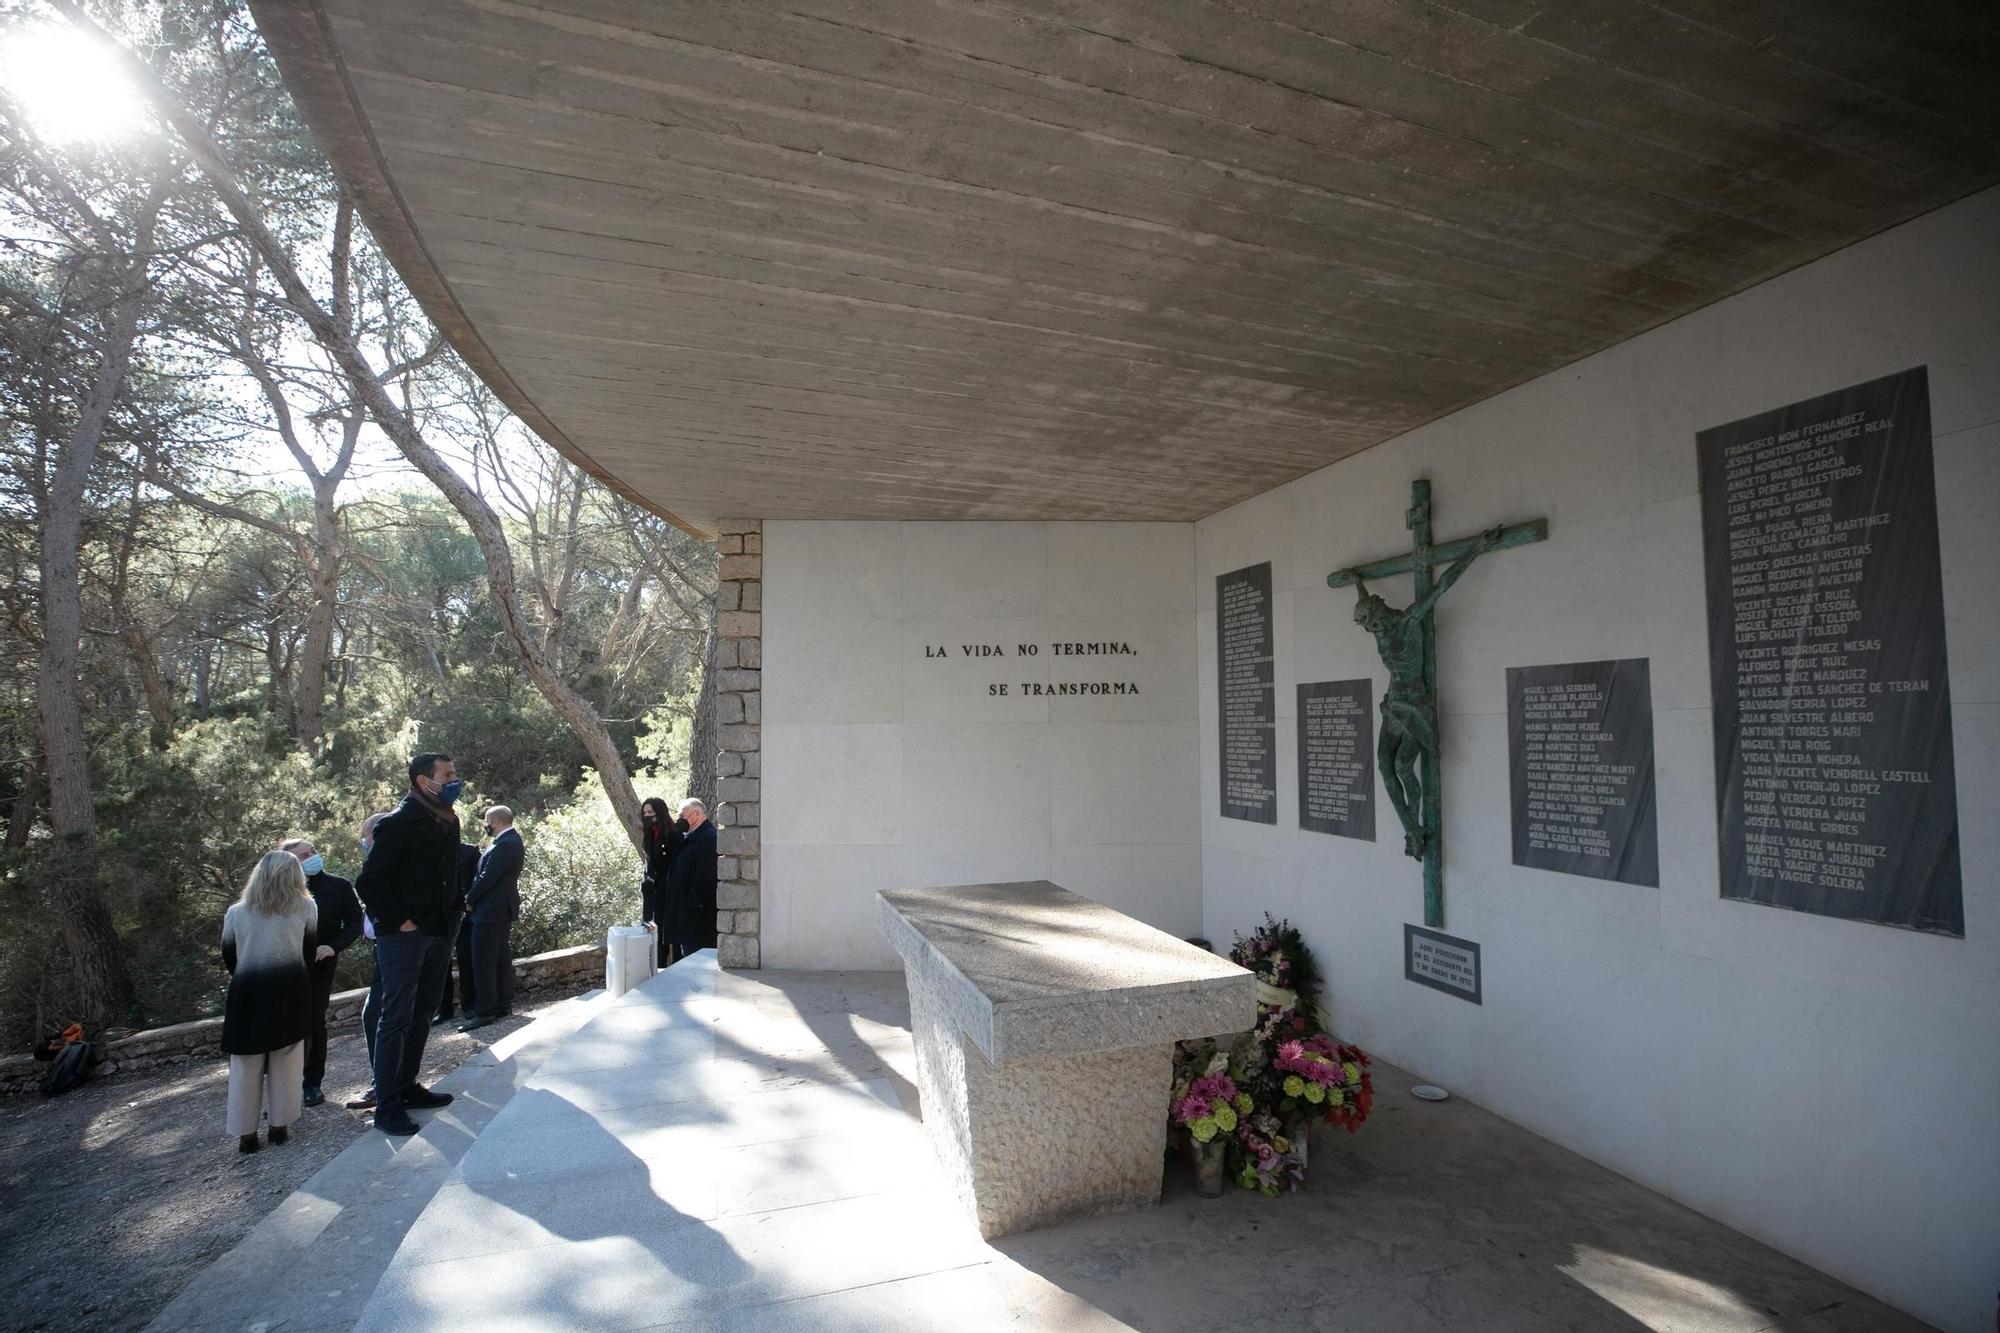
(268, 947)
(663, 841)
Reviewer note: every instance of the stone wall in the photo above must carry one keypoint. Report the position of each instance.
(738, 813)
(542, 974)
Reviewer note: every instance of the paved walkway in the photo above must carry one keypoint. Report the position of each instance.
(740, 1151)
(312, 1263)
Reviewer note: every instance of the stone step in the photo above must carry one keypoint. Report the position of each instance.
(315, 1260)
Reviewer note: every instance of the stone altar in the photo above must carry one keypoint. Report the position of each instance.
(1044, 1026)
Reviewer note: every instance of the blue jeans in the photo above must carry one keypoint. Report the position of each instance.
(410, 966)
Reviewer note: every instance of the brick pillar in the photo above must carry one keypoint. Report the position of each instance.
(739, 701)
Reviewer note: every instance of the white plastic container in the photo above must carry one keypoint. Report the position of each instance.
(628, 958)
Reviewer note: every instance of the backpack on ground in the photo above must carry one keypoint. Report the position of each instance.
(70, 1067)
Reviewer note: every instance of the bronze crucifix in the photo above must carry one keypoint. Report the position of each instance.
(1407, 750)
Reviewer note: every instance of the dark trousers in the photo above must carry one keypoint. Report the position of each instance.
(492, 969)
(459, 995)
(411, 966)
(372, 1006)
(696, 930)
(321, 975)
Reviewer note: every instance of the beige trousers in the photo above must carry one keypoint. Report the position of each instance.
(273, 1080)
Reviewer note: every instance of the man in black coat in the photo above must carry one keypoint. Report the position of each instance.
(691, 883)
(492, 905)
(340, 921)
(410, 885)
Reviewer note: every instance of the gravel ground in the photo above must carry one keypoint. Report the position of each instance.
(115, 1195)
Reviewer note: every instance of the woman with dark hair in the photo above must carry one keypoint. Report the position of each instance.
(663, 841)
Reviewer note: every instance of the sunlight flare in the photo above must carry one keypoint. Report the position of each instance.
(68, 84)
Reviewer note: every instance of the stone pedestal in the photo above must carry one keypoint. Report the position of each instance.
(1044, 1027)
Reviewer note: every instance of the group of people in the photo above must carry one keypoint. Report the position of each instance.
(422, 893)
(423, 898)
(677, 895)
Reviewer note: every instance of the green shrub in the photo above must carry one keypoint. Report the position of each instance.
(581, 875)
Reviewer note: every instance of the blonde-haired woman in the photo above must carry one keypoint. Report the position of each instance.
(267, 945)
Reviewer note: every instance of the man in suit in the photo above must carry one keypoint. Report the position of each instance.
(409, 884)
(340, 921)
(492, 905)
(691, 883)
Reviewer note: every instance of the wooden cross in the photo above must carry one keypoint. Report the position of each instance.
(1408, 745)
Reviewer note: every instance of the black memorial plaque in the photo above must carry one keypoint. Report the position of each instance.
(1337, 758)
(1246, 659)
(1442, 962)
(1835, 787)
(1580, 760)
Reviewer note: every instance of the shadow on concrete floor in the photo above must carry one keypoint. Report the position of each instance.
(741, 1152)
(1440, 1217)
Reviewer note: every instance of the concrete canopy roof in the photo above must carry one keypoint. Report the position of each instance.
(1075, 259)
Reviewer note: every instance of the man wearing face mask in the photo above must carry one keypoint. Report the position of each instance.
(492, 905)
(409, 884)
(340, 922)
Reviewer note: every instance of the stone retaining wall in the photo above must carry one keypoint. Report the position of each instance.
(562, 970)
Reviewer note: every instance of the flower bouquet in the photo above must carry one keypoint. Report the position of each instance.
(1270, 1160)
(1321, 1078)
(1208, 1106)
(1287, 975)
(1254, 1104)
(1288, 1064)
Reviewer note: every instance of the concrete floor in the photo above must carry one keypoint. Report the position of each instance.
(311, 1264)
(740, 1152)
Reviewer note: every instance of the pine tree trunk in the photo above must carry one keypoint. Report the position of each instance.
(277, 682)
(159, 699)
(95, 951)
(702, 747)
(21, 817)
(203, 661)
(309, 716)
(343, 677)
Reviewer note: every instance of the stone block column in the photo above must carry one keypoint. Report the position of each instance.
(739, 698)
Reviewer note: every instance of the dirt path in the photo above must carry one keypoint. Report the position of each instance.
(114, 1196)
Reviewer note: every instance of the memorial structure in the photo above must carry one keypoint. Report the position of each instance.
(1406, 637)
(1580, 754)
(1039, 370)
(1045, 1026)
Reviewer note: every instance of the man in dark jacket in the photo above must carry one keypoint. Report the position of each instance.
(691, 883)
(491, 905)
(409, 883)
(340, 921)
